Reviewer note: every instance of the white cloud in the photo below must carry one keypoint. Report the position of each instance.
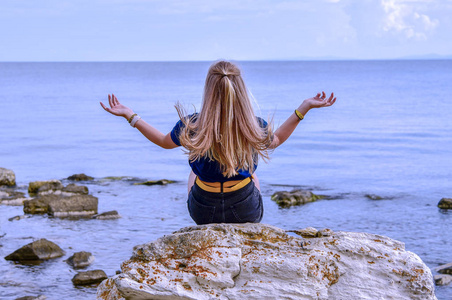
(403, 17)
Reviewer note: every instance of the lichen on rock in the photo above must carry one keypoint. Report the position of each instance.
(258, 261)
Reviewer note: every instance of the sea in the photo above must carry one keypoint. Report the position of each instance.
(382, 154)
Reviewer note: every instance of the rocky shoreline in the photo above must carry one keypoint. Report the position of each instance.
(72, 200)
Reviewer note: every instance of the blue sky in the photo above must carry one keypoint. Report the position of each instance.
(167, 30)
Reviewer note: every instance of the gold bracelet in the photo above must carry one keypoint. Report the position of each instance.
(299, 115)
(131, 118)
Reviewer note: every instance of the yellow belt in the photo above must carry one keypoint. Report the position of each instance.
(218, 187)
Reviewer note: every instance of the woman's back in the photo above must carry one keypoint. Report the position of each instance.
(224, 142)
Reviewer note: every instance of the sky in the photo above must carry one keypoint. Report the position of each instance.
(199, 30)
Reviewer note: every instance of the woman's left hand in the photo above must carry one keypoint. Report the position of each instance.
(117, 108)
(320, 100)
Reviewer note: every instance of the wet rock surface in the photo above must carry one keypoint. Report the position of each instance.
(80, 259)
(12, 197)
(74, 206)
(40, 297)
(7, 177)
(445, 203)
(295, 197)
(38, 250)
(258, 261)
(109, 215)
(89, 277)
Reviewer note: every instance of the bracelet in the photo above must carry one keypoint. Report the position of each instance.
(131, 118)
(135, 120)
(299, 115)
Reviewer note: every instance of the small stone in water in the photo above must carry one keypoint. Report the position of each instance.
(80, 177)
(80, 259)
(442, 279)
(109, 215)
(89, 277)
(445, 203)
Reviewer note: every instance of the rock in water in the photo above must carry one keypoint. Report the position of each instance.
(7, 177)
(89, 277)
(108, 215)
(37, 250)
(442, 279)
(77, 206)
(258, 261)
(295, 197)
(445, 203)
(445, 269)
(155, 182)
(76, 189)
(33, 187)
(74, 206)
(40, 297)
(81, 259)
(80, 177)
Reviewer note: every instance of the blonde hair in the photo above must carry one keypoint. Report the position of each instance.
(226, 129)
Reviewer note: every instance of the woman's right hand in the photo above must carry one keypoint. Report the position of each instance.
(117, 108)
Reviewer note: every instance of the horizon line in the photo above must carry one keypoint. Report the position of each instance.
(239, 60)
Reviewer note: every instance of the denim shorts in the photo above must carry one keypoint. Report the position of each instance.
(241, 206)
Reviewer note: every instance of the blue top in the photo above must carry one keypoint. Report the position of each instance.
(206, 169)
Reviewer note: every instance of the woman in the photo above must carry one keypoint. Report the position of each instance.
(224, 142)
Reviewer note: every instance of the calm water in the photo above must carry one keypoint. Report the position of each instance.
(389, 134)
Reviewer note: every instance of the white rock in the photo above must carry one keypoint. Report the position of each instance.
(257, 261)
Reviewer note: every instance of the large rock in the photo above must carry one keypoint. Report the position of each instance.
(295, 197)
(7, 177)
(81, 259)
(257, 261)
(74, 206)
(37, 250)
(445, 203)
(57, 206)
(89, 277)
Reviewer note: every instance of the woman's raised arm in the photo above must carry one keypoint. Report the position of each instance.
(287, 128)
(151, 133)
